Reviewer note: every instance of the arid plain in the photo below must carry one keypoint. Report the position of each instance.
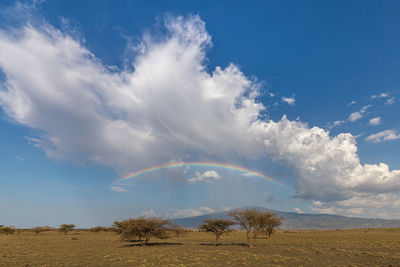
(360, 247)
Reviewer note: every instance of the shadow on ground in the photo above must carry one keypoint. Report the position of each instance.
(153, 244)
(231, 244)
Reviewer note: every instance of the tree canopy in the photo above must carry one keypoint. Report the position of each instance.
(254, 222)
(146, 228)
(217, 226)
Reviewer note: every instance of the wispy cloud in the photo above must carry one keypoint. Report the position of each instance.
(386, 135)
(149, 213)
(181, 213)
(390, 101)
(118, 189)
(298, 210)
(355, 116)
(352, 103)
(207, 176)
(375, 121)
(289, 100)
(381, 95)
(335, 124)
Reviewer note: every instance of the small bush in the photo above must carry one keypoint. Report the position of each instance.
(39, 229)
(98, 229)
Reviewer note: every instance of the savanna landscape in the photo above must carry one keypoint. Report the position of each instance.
(359, 247)
(199, 133)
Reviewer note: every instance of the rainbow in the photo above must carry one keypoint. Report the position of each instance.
(231, 167)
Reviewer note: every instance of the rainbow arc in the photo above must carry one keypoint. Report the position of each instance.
(215, 165)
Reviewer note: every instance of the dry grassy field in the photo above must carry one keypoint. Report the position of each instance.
(287, 248)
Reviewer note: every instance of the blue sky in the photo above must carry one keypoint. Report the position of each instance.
(305, 92)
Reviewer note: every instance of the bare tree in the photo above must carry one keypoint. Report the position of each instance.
(145, 228)
(254, 221)
(218, 227)
(65, 228)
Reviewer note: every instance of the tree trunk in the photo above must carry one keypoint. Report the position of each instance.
(216, 240)
(248, 239)
(141, 241)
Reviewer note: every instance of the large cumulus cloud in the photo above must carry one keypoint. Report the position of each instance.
(168, 107)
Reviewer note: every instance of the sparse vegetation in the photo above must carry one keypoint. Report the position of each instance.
(376, 247)
(218, 227)
(39, 229)
(7, 230)
(146, 228)
(65, 228)
(98, 229)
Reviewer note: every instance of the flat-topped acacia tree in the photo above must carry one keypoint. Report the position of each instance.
(7, 230)
(65, 228)
(254, 222)
(218, 227)
(146, 228)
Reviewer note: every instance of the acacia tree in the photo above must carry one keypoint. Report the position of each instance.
(217, 226)
(7, 230)
(37, 230)
(145, 228)
(270, 224)
(40, 229)
(65, 228)
(254, 221)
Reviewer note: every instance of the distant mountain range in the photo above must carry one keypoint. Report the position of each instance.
(293, 220)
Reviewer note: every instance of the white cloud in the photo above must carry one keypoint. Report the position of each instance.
(289, 100)
(298, 210)
(364, 108)
(327, 168)
(358, 115)
(352, 103)
(118, 189)
(381, 95)
(390, 101)
(383, 136)
(168, 107)
(271, 94)
(335, 124)
(364, 205)
(354, 116)
(182, 213)
(207, 176)
(375, 121)
(149, 213)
